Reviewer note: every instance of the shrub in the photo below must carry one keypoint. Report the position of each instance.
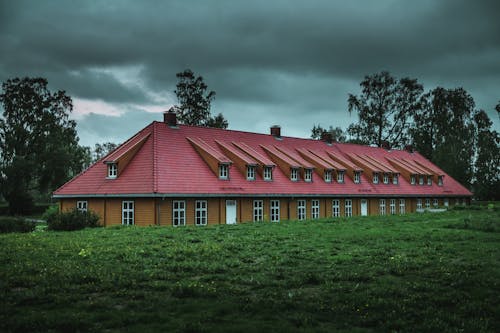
(51, 210)
(15, 224)
(72, 220)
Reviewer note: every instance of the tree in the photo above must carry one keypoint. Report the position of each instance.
(487, 163)
(38, 142)
(385, 109)
(101, 150)
(444, 131)
(336, 133)
(195, 102)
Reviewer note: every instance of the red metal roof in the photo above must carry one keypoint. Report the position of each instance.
(167, 164)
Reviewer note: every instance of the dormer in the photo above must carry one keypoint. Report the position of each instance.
(288, 166)
(322, 167)
(367, 165)
(411, 172)
(244, 163)
(216, 161)
(264, 165)
(112, 170)
(350, 168)
(306, 166)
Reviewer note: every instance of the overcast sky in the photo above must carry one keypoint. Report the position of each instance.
(291, 63)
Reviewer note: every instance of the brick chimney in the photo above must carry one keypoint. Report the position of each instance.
(409, 148)
(386, 145)
(276, 131)
(327, 137)
(170, 117)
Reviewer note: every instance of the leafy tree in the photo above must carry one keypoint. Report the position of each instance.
(195, 102)
(101, 150)
(444, 131)
(337, 133)
(487, 163)
(385, 109)
(38, 142)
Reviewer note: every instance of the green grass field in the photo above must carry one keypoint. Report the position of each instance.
(414, 273)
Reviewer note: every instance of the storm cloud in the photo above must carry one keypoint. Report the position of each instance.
(270, 62)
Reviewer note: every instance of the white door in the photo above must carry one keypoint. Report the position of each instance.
(230, 211)
(364, 207)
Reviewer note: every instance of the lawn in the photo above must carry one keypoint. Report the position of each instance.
(414, 273)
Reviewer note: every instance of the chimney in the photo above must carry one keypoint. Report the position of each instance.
(327, 137)
(385, 145)
(409, 148)
(276, 131)
(170, 118)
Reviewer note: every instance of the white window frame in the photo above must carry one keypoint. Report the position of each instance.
(357, 177)
(268, 173)
(440, 180)
(128, 214)
(427, 203)
(348, 207)
(419, 203)
(327, 176)
(201, 212)
(375, 178)
(395, 179)
(301, 209)
(223, 171)
(435, 202)
(112, 170)
(421, 180)
(386, 178)
(402, 206)
(308, 175)
(294, 174)
(275, 210)
(381, 207)
(178, 213)
(315, 209)
(335, 207)
(457, 201)
(392, 206)
(82, 206)
(413, 179)
(250, 172)
(258, 210)
(340, 176)
(429, 180)
(446, 202)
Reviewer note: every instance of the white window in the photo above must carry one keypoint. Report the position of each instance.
(301, 209)
(112, 170)
(335, 208)
(81, 206)
(446, 202)
(348, 207)
(357, 177)
(395, 178)
(435, 202)
(421, 180)
(392, 206)
(223, 171)
(382, 207)
(275, 210)
(419, 203)
(179, 213)
(429, 180)
(201, 212)
(268, 173)
(294, 174)
(127, 212)
(315, 209)
(402, 206)
(308, 175)
(464, 203)
(328, 176)
(386, 178)
(427, 203)
(340, 176)
(440, 180)
(457, 202)
(375, 178)
(258, 210)
(412, 179)
(250, 172)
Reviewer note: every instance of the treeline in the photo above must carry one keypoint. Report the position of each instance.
(441, 124)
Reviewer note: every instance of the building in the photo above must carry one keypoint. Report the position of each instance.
(170, 174)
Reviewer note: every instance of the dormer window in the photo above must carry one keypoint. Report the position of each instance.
(395, 179)
(340, 177)
(421, 180)
(375, 178)
(308, 175)
(294, 174)
(357, 177)
(223, 171)
(268, 173)
(328, 176)
(429, 180)
(112, 170)
(386, 178)
(250, 172)
(440, 180)
(412, 179)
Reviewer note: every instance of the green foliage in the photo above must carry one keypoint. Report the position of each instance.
(72, 220)
(336, 134)
(412, 273)
(15, 224)
(50, 211)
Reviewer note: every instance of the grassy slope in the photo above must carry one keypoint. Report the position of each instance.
(412, 273)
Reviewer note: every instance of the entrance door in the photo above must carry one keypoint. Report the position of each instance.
(230, 211)
(364, 207)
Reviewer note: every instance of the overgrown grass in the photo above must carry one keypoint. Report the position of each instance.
(415, 273)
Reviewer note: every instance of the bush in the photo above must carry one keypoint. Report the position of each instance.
(51, 210)
(72, 220)
(15, 224)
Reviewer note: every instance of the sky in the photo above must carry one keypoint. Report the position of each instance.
(287, 63)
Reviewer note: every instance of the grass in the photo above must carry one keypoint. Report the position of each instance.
(425, 273)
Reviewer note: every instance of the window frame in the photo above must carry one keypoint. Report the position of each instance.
(267, 173)
(82, 206)
(128, 220)
(427, 203)
(413, 179)
(348, 207)
(112, 170)
(440, 180)
(301, 209)
(429, 180)
(375, 178)
(274, 210)
(392, 206)
(294, 174)
(327, 176)
(395, 179)
(402, 206)
(341, 176)
(421, 180)
(419, 203)
(315, 209)
(435, 202)
(381, 207)
(385, 178)
(251, 172)
(180, 219)
(201, 213)
(258, 210)
(357, 177)
(308, 175)
(335, 207)
(223, 171)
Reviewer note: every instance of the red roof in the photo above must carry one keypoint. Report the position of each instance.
(167, 164)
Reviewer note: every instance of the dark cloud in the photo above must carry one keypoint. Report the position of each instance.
(273, 57)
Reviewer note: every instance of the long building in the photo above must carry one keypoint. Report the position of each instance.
(172, 174)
